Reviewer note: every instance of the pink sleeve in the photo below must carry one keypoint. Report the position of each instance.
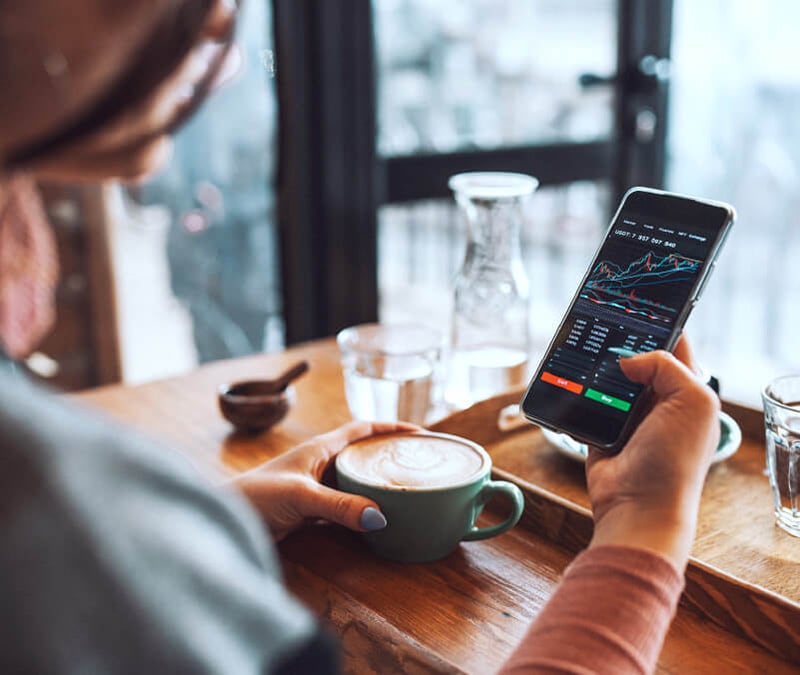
(610, 614)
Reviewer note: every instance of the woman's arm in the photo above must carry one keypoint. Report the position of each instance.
(609, 615)
(613, 608)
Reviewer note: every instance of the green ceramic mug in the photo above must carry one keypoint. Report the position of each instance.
(431, 487)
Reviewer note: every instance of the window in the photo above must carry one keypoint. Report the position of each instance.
(734, 135)
(490, 82)
(461, 85)
(197, 259)
(445, 85)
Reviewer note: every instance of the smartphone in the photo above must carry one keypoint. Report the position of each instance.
(638, 291)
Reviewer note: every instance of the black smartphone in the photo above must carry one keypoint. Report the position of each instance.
(643, 282)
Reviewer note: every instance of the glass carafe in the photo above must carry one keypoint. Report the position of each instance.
(489, 337)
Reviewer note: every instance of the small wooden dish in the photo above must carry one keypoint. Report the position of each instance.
(255, 405)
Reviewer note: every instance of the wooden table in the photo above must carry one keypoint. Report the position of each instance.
(740, 611)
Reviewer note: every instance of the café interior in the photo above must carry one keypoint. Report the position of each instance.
(312, 193)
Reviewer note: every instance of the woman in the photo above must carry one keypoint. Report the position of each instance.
(116, 557)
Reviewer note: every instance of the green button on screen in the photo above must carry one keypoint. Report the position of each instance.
(607, 400)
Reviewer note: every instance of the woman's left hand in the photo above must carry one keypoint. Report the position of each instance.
(287, 490)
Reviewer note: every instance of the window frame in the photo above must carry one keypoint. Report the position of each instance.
(331, 181)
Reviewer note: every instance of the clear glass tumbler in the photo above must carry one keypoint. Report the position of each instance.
(781, 399)
(390, 370)
(489, 339)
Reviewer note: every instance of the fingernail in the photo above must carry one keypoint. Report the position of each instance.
(623, 352)
(372, 519)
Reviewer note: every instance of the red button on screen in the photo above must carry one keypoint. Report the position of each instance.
(562, 382)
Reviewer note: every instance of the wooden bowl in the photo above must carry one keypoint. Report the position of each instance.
(254, 405)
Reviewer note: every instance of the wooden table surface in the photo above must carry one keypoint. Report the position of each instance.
(183, 411)
(465, 613)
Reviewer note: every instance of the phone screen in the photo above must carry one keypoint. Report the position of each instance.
(636, 296)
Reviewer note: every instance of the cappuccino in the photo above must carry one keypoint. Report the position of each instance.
(431, 487)
(417, 461)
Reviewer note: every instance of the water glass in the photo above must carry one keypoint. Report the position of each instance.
(781, 399)
(390, 370)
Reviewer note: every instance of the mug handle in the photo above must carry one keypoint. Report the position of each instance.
(488, 491)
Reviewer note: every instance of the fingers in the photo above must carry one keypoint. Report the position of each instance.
(661, 371)
(355, 431)
(353, 511)
(683, 352)
(308, 463)
(334, 441)
(321, 450)
(315, 456)
(593, 457)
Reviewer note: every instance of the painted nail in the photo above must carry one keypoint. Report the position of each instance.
(622, 351)
(372, 519)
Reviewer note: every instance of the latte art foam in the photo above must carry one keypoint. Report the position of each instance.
(411, 461)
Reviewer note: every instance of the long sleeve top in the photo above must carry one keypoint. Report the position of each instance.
(610, 614)
(118, 556)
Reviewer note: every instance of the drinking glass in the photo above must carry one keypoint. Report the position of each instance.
(390, 370)
(781, 399)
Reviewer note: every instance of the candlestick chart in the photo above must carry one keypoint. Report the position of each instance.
(651, 286)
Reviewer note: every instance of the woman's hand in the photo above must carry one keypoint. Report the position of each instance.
(287, 490)
(648, 495)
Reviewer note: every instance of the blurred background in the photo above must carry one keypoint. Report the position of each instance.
(311, 193)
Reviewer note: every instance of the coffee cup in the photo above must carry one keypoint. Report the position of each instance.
(430, 486)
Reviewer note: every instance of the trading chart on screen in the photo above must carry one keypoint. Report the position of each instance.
(630, 299)
(646, 286)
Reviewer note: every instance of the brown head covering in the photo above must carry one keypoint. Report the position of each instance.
(81, 102)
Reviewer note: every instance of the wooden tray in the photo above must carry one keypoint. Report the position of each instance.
(466, 613)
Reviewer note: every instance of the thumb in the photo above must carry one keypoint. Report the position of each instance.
(659, 370)
(353, 511)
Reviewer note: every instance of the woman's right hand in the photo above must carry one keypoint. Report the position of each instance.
(648, 495)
